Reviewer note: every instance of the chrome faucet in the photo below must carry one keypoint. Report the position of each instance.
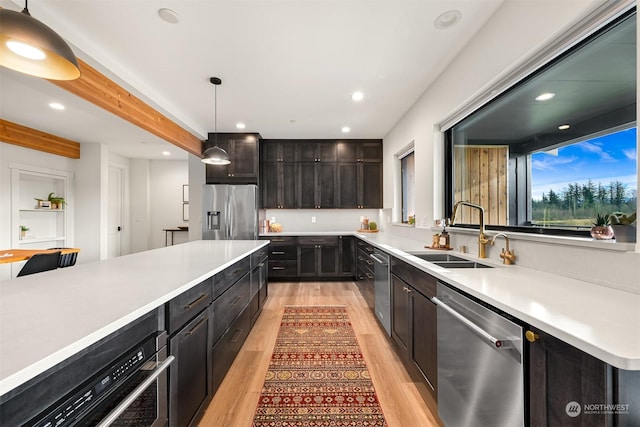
(482, 239)
(507, 255)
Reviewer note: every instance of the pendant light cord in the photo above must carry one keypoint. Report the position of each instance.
(26, 8)
(215, 113)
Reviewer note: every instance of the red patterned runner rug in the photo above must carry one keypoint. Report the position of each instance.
(317, 375)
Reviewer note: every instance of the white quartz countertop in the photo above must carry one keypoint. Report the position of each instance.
(45, 318)
(600, 321)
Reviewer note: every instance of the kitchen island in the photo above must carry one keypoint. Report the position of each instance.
(48, 317)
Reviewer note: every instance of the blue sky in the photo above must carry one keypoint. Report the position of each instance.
(603, 159)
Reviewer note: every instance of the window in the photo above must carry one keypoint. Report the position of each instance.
(558, 147)
(407, 170)
(571, 184)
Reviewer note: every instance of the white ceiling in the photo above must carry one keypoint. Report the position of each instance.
(288, 68)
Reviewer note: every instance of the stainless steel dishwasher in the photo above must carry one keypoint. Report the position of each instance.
(382, 286)
(480, 364)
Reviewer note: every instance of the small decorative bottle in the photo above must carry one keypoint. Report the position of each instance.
(443, 241)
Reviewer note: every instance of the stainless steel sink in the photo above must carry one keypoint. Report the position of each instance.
(461, 264)
(440, 257)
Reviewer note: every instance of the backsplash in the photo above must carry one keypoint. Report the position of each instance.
(325, 219)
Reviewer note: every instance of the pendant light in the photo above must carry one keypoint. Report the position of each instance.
(215, 155)
(30, 47)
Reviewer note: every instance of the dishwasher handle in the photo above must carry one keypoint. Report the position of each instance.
(379, 260)
(475, 328)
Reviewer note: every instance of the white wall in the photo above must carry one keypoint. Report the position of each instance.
(166, 178)
(516, 31)
(140, 205)
(14, 154)
(297, 220)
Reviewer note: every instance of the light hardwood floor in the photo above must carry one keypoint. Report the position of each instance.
(400, 397)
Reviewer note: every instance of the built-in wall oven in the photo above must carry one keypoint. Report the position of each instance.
(127, 386)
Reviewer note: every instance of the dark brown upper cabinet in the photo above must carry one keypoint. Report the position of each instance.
(359, 151)
(321, 174)
(243, 149)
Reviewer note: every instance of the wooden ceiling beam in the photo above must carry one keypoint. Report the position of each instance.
(98, 89)
(23, 136)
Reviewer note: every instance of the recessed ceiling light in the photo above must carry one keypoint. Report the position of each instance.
(346, 129)
(56, 106)
(166, 153)
(545, 96)
(563, 127)
(448, 19)
(357, 96)
(240, 125)
(169, 16)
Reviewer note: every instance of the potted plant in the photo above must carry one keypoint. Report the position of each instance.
(624, 226)
(601, 229)
(23, 231)
(56, 202)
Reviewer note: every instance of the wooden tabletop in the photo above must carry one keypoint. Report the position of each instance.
(15, 255)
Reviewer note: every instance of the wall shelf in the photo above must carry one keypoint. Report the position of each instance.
(47, 227)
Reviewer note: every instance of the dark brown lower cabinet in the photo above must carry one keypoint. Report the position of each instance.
(190, 375)
(347, 256)
(568, 387)
(318, 257)
(226, 349)
(414, 328)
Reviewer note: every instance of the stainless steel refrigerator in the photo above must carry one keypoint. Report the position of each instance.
(230, 212)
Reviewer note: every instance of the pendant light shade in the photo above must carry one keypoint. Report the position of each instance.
(215, 155)
(30, 47)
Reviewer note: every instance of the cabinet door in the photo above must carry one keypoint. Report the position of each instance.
(424, 339)
(307, 186)
(347, 152)
(400, 325)
(370, 181)
(307, 265)
(326, 190)
(190, 374)
(271, 185)
(328, 261)
(347, 256)
(560, 373)
(287, 185)
(279, 182)
(244, 154)
(326, 152)
(348, 185)
(370, 152)
(307, 152)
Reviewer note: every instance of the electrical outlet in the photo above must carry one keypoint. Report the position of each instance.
(313, 220)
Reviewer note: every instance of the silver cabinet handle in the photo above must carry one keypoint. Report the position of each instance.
(118, 410)
(378, 259)
(468, 323)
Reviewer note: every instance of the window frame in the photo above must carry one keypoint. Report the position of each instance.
(580, 33)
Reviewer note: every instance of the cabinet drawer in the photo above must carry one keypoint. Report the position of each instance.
(281, 240)
(225, 279)
(229, 305)
(225, 350)
(364, 259)
(188, 304)
(282, 269)
(366, 247)
(259, 256)
(318, 240)
(283, 252)
(423, 282)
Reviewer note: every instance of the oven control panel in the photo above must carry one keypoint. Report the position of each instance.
(68, 412)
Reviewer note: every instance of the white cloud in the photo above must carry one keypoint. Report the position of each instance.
(630, 153)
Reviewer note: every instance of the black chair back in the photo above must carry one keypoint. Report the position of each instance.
(67, 260)
(39, 263)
